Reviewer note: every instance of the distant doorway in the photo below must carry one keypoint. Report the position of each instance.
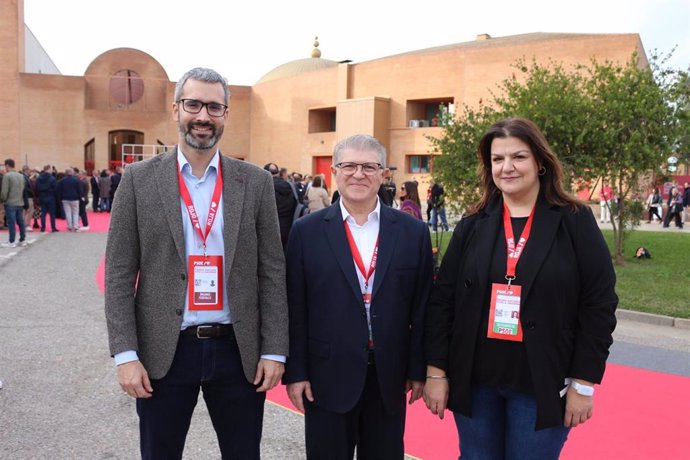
(115, 141)
(322, 165)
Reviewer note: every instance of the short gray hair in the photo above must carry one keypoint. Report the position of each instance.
(205, 75)
(360, 142)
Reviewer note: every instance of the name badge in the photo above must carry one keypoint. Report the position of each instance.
(504, 313)
(205, 283)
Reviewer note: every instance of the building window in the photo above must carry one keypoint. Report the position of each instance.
(90, 155)
(423, 113)
(126, 87)
(419, 164)
(322, 120)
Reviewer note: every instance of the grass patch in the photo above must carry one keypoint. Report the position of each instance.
(660, 285)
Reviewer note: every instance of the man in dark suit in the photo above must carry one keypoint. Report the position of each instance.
(194, 298)
(359, 277)
(285, 201)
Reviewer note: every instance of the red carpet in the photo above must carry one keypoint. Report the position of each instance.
(638, 414)
(98, 222)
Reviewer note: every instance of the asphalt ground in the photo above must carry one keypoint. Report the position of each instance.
(59, 396)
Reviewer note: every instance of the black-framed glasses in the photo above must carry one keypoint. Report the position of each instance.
(214, 109)
(367, 168)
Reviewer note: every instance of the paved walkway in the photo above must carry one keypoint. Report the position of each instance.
(60, 398)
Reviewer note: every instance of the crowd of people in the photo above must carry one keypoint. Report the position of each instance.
(32, 199)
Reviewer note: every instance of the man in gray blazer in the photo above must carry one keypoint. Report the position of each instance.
(194, 298)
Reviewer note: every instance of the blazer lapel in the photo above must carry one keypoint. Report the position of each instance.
(337, 239)
(387, 244)
(233, 197)
(169, 190)
(544, 228)
(486, 229)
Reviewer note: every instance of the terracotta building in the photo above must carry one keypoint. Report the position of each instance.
(292, 116)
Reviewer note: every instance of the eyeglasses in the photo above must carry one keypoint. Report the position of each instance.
(367, 168)
(214, 109)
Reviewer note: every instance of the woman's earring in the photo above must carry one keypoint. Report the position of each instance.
(542, 171)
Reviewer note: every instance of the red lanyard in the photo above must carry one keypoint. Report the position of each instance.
(514, 251)
(212, 209)
(358, 258)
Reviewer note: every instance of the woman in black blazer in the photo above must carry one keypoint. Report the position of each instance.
(521, 318)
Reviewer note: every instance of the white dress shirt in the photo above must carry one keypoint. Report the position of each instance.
(365, 237)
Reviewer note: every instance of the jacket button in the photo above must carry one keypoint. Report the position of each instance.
(530, 324)
(468, 283)
(178, 312)
(183, 276)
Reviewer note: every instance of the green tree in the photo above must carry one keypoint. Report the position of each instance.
(603, 120)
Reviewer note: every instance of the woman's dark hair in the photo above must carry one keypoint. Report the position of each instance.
(317, 181)
(411, 192)
(550, 169)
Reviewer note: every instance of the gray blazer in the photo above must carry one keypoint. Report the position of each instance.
(146, 240)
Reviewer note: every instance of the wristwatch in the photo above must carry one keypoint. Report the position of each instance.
(584, 390)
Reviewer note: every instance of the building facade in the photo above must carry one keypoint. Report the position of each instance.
(293, 115)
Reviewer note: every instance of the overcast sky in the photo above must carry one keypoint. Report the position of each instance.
(245, 40)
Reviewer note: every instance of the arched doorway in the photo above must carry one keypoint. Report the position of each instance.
(115, 141)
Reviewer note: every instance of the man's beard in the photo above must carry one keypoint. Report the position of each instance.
(195, 143)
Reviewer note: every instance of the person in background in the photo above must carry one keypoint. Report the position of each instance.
(46, 188)
(675, 208)
(104, 189)
(409, 197)
(12, 195)
(521, 318)
(605, 200)
(654, 203)
(317, 196)
(69, 191)
(438, 207)
(28, 198)
(285, 202)
(83, 199)
(95, 191)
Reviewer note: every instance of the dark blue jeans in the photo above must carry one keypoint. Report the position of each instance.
(15, 216)
(502, 428)
(48, 207)
(236, 409)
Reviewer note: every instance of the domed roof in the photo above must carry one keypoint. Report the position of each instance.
(300, 66)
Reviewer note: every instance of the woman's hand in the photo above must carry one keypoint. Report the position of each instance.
(578, 408)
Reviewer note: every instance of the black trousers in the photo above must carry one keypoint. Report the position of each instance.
(376, 433)
(236, 409)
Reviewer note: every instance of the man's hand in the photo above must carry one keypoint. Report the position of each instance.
(578, 408)
(417, 390)
(134, 379)
(270, 372)
(296, 391)
(436, 391)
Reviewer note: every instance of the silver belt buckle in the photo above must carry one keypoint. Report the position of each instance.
(203, 326)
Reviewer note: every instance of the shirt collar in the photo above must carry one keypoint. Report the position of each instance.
(373, 215)
(182, 162)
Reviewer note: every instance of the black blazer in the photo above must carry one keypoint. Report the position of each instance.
(328, 327)
(568, 303)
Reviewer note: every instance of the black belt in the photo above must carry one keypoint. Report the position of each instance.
(209, 331)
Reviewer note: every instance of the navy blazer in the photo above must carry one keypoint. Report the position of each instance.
(328, 326)
(568, 303)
